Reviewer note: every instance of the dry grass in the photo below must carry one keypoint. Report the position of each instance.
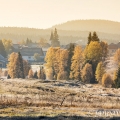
(18, 97)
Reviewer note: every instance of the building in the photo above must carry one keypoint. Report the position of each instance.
(28, 52)
(113, 47)
(2, 62)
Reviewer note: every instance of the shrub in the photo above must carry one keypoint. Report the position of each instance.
(30, 74)
(87, 73)
(107, 80)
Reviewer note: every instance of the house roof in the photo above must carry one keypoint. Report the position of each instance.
(28, 51)
(2, 58)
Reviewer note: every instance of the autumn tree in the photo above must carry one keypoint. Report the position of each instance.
(76, 64)
(104, 50)
(30, 74)
(11, 65)
(51, 59)
(100, 71)
(2, 49)
(70, 55)
(15, 66)
(117, 56)
(26, 67)
(87, 73)
(93, 55)
(7, 45)
(107, 80)
(42, 42)
(36, 57)
(56, 64)
(63, 74)
(49, 74)
(22, 42)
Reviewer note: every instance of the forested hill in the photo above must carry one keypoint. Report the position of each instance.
(104, 26)
(71, 31)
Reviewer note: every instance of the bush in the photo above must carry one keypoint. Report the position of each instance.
(87, 73)
(30, 75)
(107, 80)
(49, 74)
(63, 75)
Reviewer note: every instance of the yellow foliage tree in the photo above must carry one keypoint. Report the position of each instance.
(11, 65)
(30, 74)
(99, 72)
(63, 60)
(87, 73)
(76, 63)
(107, 80)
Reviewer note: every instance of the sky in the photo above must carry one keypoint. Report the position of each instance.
(46, 13)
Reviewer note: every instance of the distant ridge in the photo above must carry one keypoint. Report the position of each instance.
(105, 26)
(70, 31)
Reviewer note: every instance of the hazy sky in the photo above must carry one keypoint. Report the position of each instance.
(46, 13)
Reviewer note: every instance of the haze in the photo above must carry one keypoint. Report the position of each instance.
(46, 13)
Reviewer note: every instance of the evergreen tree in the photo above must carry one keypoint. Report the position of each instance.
(70, 55)
(55, 35)
(51, 37)
(89, 38)
(2, 49)
(41, 74)
(117, 78)
(35, 75)
(55, 39)
(18, 64)
(100, 71)
(95, 37)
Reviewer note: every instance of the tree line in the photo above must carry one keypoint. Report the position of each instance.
(75, 63)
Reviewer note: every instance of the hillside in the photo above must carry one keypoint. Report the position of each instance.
(104, 26)
(71, 31)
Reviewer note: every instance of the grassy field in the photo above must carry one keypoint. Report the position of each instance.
(34, 98)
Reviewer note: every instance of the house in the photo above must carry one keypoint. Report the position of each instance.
(45, 51)
(28, 52)
(2, 62)
(113, 47)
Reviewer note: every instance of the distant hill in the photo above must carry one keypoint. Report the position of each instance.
(104, 26)
(71, 31)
